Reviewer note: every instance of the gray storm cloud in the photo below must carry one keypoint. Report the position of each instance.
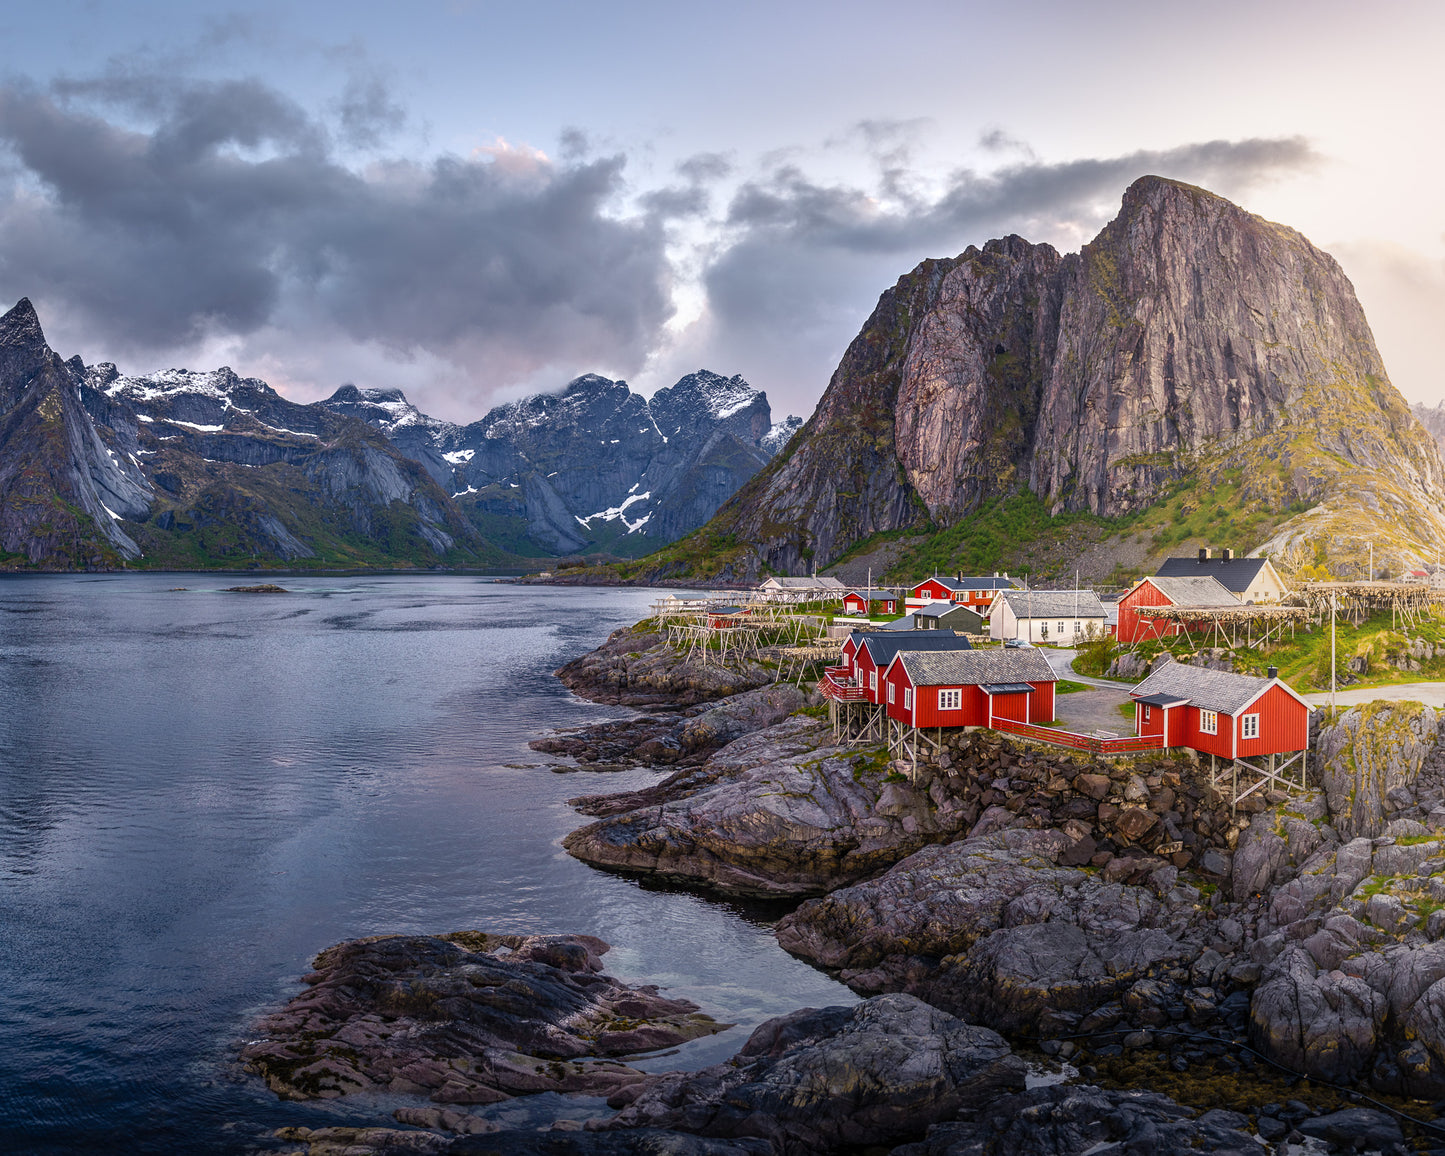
(230, 207)
(156, 214)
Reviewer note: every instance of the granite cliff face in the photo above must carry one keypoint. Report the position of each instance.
(595, 467)
(1189, 339)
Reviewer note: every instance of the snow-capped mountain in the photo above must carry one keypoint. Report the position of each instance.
(594, 467)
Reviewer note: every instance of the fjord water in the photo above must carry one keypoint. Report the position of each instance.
(199, 790)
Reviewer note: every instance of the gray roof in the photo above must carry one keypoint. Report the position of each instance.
(1218, 690)
(1233, 573)
(1200, 593)
(1054, 603)
(907, 622)
(967, 583)
(942, 610)
(828, 583)
(976, 667)
(883, 645)
(875, 595)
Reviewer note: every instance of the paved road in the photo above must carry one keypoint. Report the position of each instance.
(1062, 660)
(1430, 693)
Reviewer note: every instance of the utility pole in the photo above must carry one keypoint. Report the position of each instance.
(1333, 596)
(1372, 562)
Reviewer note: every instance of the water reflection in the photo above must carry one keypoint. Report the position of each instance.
(199, 790)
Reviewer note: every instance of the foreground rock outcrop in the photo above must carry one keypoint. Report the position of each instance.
(467, 1018)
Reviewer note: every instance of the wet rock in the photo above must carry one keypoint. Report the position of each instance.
(1355, 1128)
(1065, 1120)
(822, 1080)
(469, 1018)
(556, 1142)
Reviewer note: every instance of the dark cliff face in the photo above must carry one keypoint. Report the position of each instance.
(1188, 335)
(596, 467)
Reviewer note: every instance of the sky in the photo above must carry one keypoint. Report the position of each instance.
(473, 201)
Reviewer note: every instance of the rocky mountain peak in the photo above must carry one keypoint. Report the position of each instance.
(1189, 338)
(23, 350)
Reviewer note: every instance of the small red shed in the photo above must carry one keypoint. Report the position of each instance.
(866, 602)
(1216, 712)
(1203, 593)
(969, 688)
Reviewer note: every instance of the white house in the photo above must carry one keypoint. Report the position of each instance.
(1062, 617)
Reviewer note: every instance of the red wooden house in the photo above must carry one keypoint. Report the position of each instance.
(866, 656)
(976, 592)
(720, 617)
(1215, 712)
(866, 602)
(1203, 593)
(969, 688)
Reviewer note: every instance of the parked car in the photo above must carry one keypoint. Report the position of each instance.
(1017, 643)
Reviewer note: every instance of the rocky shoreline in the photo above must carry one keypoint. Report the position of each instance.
(1007, 901)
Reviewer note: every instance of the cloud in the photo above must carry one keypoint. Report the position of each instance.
(159, 215)
(803, 261)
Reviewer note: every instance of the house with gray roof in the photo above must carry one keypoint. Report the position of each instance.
(1062, 617)
(963, 688)
(1250, 580)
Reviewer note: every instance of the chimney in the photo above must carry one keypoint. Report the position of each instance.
(1204, 553)
(1272, 672)
(1227, 553)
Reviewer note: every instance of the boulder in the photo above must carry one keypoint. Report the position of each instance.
(876, 1073)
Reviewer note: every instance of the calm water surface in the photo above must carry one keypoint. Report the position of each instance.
(200, 790)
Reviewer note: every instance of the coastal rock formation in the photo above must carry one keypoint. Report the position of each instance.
(993, 929)
(670, 739)
(777, 813)
(1069, 1120)
(835, 1079)
(635, 667)
(467, 1018)
(555, 1142)
(1189, 339)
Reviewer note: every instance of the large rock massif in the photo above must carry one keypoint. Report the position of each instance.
(182, 469)
(1190, 338)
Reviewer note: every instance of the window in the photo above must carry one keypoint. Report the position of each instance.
(907, 698)
(950, 700)
(1209, 722)
(873, 681)
(1061, 627)
(1147, 709)
(1249, 726)
(890, 693)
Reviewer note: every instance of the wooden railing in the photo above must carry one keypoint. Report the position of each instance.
(1128, 745)
(841, 689)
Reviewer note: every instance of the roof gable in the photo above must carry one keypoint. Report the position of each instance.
(1199, 593)
(1054, 603)
(1219, 690)
(1235, 574)
(975, 667)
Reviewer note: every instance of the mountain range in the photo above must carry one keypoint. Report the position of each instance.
(184, 469)
(1193, 356)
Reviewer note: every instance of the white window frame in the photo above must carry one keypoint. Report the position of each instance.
(1146, 712)
(1249, 726)
(950, 700)
(907, 698)
(1209, 722)
(1061, 630)
(890, 694)
(873, 681)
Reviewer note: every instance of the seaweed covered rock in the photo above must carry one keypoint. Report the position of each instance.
(468, 1018)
